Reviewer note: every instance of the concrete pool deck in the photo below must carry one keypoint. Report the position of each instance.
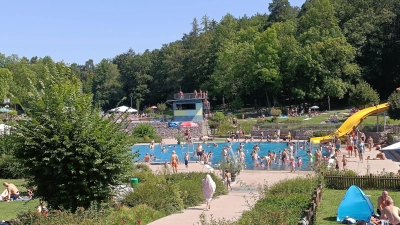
(231, 206)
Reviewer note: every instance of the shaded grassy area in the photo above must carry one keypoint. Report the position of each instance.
(326, 213)
(9, 210)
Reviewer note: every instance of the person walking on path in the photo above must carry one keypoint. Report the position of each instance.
(209, 187)
(370, 143)
(228, 177)
(361, 150)
(344, 161)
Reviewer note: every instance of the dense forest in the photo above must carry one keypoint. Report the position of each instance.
(289, 56)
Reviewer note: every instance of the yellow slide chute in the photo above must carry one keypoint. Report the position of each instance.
(352, 122)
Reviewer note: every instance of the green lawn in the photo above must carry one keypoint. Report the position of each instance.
(326, 213)
(9, 210)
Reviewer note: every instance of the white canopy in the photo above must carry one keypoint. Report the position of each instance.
(395, 146)
(124, 109)
(5, 129)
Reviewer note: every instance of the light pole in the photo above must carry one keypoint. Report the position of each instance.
(131, 95)
(6, 102)
(329, 104)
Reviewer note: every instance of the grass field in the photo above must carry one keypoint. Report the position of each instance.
(9, 210)
(326, 213)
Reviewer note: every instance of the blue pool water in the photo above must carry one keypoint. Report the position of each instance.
(180, 150)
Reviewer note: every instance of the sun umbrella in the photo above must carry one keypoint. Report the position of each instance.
(154, 107)
(124, 109)
(188, 124)
(4, 129)
(131, 110)
(314, 107)
(5, 110)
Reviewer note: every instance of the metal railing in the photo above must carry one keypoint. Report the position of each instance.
(190, 96)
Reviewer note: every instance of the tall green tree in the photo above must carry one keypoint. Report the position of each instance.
(71, 154)
(281, 11)
(363, 95)
(106, 84)
(394, 105)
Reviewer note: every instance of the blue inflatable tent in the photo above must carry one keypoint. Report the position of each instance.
(356, 205)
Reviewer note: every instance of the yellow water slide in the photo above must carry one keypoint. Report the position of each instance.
(352, 122)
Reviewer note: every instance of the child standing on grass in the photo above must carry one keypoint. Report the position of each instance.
(344, 161)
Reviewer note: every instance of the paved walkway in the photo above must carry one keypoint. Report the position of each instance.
(231, 206)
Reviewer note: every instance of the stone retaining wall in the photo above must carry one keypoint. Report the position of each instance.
(165, 132)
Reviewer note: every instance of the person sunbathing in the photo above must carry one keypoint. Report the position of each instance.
(13, 192)
(381, 156)
(391, 212)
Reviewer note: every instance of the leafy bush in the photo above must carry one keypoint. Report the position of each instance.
(224, 128)
(218, 117)
(290, 121)
(10, 167)
(320, 133)
(120, 215)
(275, 112)
(363, 95)
(282, 203)
(144, 129)
(61, 217)
(247, 126)
(170, 193)
(140, 214)
(190, 186)
(70, 153)
(237, 103)
(161, 197)
(276, 209)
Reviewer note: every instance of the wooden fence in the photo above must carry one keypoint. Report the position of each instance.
(364, 182)
(315, 200)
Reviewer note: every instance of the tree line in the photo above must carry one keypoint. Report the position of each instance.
(289, 56)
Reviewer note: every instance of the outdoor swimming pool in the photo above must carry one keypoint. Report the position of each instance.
(180, 150)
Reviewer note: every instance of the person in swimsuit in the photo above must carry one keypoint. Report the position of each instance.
(361, 150)
(147, 158)
(336, 163)
(174, 162)
(370, 143)
(391, 212)
(344, 161)
(228, 177)
(292, 163)
(199, 151)
(284, 154)
(187, 159)
(13, 192)
(299, 162)
(382, 201)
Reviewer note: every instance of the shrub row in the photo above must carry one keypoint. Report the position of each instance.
(141, 214)
(156, 196)
(283, 203)
(170, 193)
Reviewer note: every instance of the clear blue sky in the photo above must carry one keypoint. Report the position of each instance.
(78, 30)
